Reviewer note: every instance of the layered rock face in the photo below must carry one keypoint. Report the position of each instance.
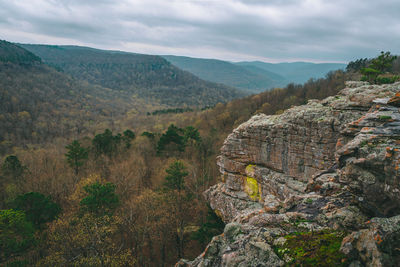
(330, 165)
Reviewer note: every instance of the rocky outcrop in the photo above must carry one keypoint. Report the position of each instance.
(330, 166)
(377, 245)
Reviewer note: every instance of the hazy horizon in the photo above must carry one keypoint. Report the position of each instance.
(231, 61)
(234, 30)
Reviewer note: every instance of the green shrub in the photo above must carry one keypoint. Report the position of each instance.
(387, 80)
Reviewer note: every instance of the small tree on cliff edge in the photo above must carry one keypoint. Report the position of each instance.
(383, 63)
(379, 65)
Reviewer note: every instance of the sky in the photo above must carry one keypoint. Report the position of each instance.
(233, 30)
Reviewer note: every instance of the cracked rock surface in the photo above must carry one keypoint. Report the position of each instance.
(330, 165)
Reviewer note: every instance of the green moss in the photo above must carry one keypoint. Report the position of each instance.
(385, 117)
(309, 201)
(313, 249)
(364, 143)
(374, 143)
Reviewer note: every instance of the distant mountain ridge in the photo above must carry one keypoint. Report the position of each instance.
(296, 72)
(249, 78)
(147, 76)
(255, 76)
(11, 53)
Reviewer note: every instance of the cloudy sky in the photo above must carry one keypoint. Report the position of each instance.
(268, 30)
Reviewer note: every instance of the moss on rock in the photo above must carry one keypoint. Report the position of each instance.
(312, 249)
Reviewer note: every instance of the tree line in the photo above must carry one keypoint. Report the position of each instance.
(100, 218)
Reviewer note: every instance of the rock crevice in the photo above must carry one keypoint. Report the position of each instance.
(330, 165)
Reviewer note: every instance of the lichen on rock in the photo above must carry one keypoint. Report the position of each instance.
(251, 185)
(251, 188)
(326, 172)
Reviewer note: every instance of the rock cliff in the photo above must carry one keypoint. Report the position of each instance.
(325, 174)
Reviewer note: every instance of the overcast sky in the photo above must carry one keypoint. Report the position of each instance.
(267, 30)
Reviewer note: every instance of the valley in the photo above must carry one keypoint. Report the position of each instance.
(105, 155)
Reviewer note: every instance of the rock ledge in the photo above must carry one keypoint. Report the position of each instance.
(330, 165)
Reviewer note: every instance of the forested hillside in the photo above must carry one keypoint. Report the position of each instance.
(249, 78)
(150, 77)
(11, 53)
(39, 103)
(255, 76)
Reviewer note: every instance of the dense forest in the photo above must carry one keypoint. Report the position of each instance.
(126, 190)
(145, 76)
(39, 104)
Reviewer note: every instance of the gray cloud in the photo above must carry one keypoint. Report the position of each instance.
(274, 30)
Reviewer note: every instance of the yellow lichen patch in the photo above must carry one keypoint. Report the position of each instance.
(251, 185)
(250, 170)
(252, 189)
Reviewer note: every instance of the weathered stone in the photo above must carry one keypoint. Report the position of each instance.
(370, 161)
(354, 84)
(331, 164)
(237, 246)
(227, 203)
(395, 101)
(377, 246)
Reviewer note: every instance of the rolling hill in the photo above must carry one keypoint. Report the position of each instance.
(146, 76)
(249, 78)
(255, 76)
(39, 103)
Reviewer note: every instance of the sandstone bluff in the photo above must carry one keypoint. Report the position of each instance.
(330, 165)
